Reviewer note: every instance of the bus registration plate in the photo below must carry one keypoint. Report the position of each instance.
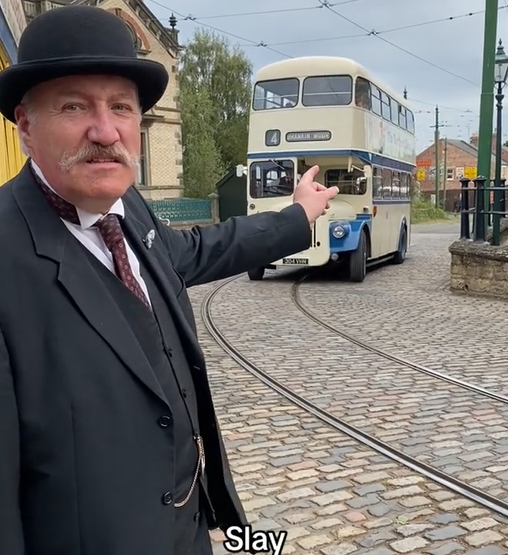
(295, 261)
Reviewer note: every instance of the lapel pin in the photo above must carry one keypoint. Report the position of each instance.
(148, 240)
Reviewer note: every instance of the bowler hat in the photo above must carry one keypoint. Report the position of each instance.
(78, 40)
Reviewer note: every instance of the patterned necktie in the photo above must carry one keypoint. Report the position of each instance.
(111, 232)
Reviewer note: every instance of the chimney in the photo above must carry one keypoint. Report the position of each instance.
(473, 140)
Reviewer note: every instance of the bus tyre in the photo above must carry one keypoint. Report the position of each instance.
(358, 261)
(400, 255)
(256, 274)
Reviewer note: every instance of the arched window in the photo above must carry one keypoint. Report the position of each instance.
(135, 39)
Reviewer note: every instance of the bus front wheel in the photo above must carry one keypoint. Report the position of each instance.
(256, 274)
(358, 261)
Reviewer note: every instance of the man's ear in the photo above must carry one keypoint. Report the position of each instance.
(23, 125)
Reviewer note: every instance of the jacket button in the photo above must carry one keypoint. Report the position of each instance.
(196, 516)
(184, 393)
(167, 498)
(164, 421)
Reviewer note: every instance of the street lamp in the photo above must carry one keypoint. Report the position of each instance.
(501, 74)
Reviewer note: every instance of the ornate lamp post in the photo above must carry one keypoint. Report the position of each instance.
(501, 74)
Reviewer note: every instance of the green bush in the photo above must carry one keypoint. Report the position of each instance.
(424, 211)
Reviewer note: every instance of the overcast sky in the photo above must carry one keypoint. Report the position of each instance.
(455, 45)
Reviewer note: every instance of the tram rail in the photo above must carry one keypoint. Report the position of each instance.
(295, 297)
(446, 480)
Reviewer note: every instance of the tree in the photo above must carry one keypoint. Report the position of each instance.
(212, 69)
(202, 165)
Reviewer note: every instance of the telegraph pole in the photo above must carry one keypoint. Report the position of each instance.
(445, 171)
(436, 127)
(487, 96)
(436, 152)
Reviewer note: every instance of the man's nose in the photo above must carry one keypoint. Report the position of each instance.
(103, 129)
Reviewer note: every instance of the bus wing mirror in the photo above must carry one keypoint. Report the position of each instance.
(240, 171)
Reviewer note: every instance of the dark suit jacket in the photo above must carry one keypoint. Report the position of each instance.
(83, 463)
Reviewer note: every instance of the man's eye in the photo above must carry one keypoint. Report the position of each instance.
(71, 107)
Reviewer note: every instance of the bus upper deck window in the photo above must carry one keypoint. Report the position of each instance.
(362, 93)
(329, 90)
(276, 94)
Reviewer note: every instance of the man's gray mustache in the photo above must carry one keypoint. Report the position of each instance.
(117, 153)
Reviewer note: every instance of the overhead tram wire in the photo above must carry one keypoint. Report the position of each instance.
(268, 12)
(374, 34)
(393, 30)
(220, 31)
(198, 19)
(330, 6)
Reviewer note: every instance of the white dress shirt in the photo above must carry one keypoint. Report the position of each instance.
(91, 238)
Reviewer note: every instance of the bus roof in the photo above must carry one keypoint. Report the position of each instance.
(306, 66)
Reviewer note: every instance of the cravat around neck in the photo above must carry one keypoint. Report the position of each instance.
(111, 231)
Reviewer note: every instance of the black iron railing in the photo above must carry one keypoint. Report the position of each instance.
(485, 213)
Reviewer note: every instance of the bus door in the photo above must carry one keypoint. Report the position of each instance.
(381, 222)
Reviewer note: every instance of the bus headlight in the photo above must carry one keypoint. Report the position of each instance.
(339, 231)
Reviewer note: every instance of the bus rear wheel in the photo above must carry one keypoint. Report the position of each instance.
(358, 261)
(256, 274)
(400, 255)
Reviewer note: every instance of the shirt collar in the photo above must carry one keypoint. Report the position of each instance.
(87, 219)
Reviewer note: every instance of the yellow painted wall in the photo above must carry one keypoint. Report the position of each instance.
(11, 156)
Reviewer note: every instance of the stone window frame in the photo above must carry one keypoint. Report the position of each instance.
(144, 160)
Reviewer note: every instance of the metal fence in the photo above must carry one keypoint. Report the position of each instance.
(488, 210)
(183, 209)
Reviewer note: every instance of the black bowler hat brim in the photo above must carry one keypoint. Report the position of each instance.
(151, 78)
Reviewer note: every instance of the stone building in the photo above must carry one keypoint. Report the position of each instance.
(12, 23)
(457, 158)
(161, 169)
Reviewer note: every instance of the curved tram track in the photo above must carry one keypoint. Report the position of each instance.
(295, 297)
(458, 486)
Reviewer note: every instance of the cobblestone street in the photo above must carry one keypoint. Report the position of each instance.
(331, 494)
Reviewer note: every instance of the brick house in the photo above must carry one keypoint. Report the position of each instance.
(160, 174)
(457, 158)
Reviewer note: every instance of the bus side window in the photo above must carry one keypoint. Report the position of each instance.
(402, 117)
(387, 183)
(377, 183)
(376, 101)
(410, 121)
(408, 185)
(396, 184)
(333, 179)
(362, 93)
(345, 181)
(395, 112)
(385, 107)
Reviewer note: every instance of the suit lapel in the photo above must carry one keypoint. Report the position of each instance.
(158, 262)
(79, 279)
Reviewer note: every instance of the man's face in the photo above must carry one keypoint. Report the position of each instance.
(84, 134)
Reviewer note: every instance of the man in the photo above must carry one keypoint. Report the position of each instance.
(109, 444)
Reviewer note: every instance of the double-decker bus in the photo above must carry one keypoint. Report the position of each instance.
(331, 112)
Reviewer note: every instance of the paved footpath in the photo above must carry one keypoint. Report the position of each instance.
(332, 495)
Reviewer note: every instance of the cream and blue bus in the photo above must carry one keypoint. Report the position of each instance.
(332, 112)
